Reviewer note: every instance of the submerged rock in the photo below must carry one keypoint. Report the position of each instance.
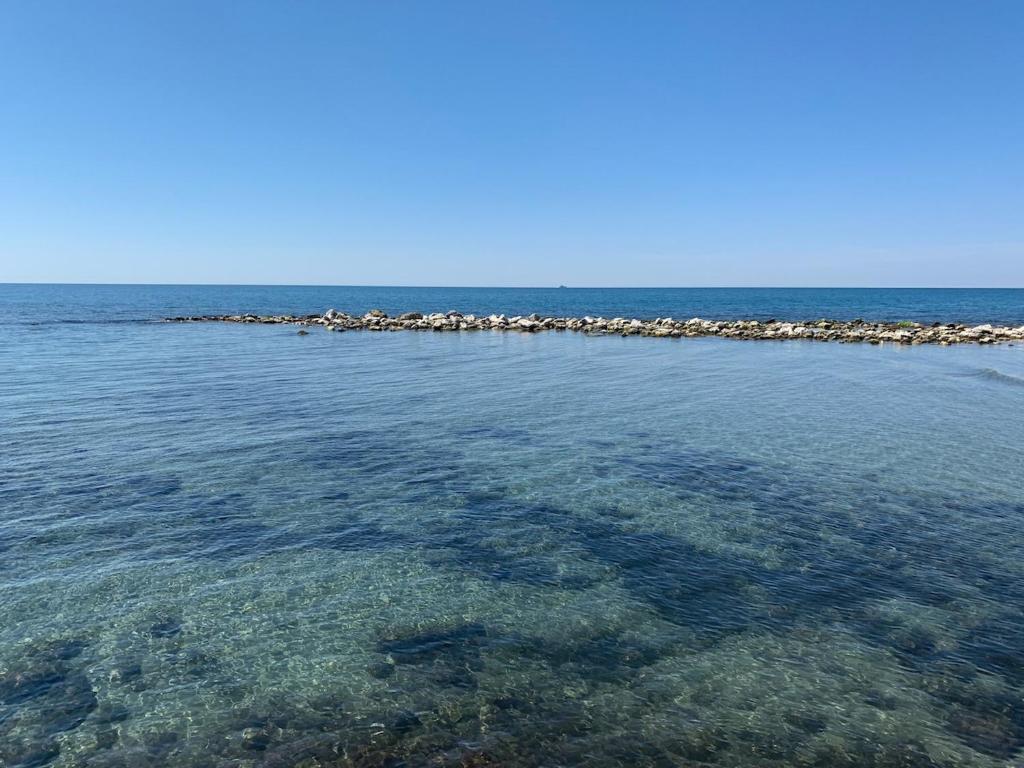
(168, 627)
(257, 739)
(381, 670)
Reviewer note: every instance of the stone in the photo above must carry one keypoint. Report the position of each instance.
(106, 738)
(381, 670)
(256, 739)
(903, 332)
(168, 627)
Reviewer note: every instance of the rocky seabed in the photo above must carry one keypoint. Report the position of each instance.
(817, 330)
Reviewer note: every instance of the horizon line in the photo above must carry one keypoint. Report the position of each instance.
(531, 287)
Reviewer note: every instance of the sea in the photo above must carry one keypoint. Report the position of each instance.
(234, 546)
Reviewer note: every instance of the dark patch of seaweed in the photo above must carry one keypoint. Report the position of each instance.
(47, 695)
(898, 546)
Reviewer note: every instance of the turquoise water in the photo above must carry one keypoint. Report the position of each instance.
(119, 303)
(236, 546)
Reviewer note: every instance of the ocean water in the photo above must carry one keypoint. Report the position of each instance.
(119, 303)
(236, 546)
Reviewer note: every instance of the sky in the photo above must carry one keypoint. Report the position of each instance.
(528, 143)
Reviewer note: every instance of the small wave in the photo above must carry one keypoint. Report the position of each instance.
(991, 374)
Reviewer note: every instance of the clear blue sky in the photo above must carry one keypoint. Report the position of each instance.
(513, 143)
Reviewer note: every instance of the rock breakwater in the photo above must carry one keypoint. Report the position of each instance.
(816, 330)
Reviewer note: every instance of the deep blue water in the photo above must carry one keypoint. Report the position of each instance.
(75, 303)
(235, 546)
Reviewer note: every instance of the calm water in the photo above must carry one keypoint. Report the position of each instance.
(107, 303)
(235, 546)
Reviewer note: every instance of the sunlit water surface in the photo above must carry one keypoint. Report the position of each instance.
(237, 546)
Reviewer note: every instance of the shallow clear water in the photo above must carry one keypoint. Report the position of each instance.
(232, 546)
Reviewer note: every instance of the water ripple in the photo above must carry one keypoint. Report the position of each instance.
(230, 544)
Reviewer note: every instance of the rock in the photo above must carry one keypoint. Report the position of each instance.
(111, 713)
(106, 738)
(165, 628)
(36, 756)
(66, 705)
(403, 722)
(903, 332)
(159, 741)
(257, 739)
(125, 673)
(381, 670)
